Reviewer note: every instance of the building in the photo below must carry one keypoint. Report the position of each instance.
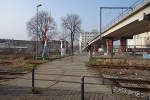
(29, 46)
(85, 37)
(6, 43)
(140, 41)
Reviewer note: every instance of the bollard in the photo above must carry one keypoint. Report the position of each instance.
(33, 80)
(134, 51)
(60, 56)
(82, 87)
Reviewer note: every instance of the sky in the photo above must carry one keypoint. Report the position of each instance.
(14, 14)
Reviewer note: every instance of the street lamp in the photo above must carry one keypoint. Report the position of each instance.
(37, 34)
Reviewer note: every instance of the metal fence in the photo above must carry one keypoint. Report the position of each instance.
(27, 54)
(138, 51)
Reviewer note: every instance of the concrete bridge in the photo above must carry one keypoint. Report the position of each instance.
(136, 22)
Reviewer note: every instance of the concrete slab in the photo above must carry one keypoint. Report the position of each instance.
(64, 74)
(87, 87)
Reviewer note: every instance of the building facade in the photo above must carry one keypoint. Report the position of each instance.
(29, 46)
(140, 41)
(85, 37)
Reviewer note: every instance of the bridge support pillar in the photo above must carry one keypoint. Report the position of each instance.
(90, 51)
(95, 48)
(110, 47)
(123, 43)
(104, 48)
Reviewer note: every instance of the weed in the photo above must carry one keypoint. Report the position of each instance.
(27, 67)
(118, 93)
(116, 64)
(111, 72)
(93, 62)
(96, 70)
(3, 80)
(67, 55)
(37, 91)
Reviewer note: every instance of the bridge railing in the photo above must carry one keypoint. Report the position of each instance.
(124, 13)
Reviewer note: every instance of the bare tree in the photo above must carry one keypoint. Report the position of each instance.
(72, 26)
(42, 27)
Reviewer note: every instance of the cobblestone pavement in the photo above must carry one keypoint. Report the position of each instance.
(60, 80)
(22, 93)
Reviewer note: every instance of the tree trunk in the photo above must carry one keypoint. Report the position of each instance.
(43, 42)
(72, 50)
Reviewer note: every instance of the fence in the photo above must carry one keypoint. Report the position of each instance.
(28, 54)
(138, 51)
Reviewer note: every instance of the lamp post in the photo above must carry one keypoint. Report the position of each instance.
(37, 34)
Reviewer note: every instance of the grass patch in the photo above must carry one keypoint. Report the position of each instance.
(54, 55)
(3, 80)
(6, 55)
(37, 91)
(118, 93)
(67, 55)
(36, 61)
(109, 72)
(27, 67)
(93, 62)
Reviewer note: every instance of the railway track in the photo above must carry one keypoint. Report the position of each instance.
(120, 67)
(135, 85)
(7, 73)
(129, 80)
(6, 62)
(9, 63)
(10, 75)
(133, 88)
(138, 88)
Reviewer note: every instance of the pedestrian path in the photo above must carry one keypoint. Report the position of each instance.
(60, 80)
(64, 74)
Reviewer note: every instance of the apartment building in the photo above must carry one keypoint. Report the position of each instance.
(85, 37)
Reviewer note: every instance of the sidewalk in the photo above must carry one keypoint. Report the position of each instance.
(60, 80)
(64, 75)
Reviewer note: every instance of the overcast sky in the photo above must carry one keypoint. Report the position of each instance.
(15, 13)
